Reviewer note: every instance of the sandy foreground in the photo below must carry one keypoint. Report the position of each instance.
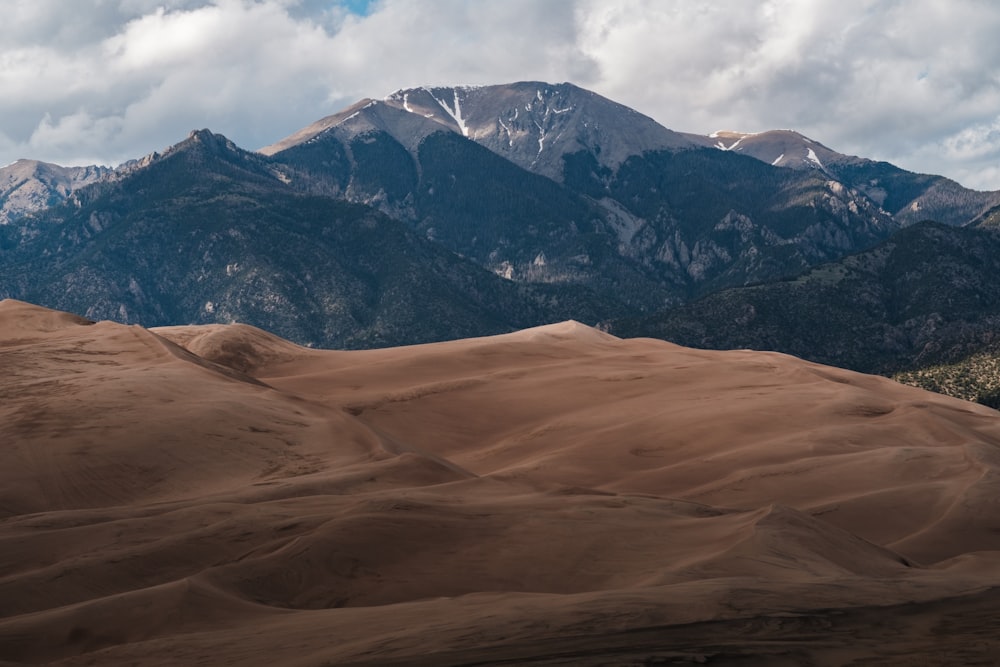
(215, 495)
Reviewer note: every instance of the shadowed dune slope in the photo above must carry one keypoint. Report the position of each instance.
(553, 496)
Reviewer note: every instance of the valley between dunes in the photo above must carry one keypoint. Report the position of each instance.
(214, 495)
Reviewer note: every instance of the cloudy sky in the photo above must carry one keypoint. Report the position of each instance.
(914, 82)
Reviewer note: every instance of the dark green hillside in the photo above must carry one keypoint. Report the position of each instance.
(975, 378)
(383, 167)
(927, 296)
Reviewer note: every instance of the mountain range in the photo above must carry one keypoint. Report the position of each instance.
(443, 212)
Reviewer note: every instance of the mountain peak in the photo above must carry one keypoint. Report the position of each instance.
(534, 124)
(568, 330)
(199, 143)
(314, 130)
(209, 139)
(201, 135)
(531, 123)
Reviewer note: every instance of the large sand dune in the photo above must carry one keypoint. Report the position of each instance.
(215, 495)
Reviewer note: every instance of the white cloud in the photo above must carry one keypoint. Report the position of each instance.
(66, 130)
(915, 83)
(887, 80)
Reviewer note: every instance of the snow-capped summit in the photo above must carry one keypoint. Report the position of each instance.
(531, 123)
(535, 124)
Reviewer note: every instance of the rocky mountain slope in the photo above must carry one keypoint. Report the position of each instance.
(532, 124)
(540, 126)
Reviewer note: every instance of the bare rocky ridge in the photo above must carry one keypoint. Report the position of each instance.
(549, 496)
(535, 125)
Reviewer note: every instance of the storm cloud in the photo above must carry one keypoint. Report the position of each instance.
(916, 83)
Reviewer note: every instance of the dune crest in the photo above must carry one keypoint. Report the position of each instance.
(557, 494)
(20, 317)
(240, 347)
(568, 330)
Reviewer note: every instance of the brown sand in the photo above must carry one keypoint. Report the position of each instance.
(216, 495)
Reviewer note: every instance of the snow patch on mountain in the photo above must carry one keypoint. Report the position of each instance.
(506, 128)
(727, 140)
(456, 114)
(811, 156)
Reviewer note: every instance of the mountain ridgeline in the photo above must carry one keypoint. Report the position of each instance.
(438, 213)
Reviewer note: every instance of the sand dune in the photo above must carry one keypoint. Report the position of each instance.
(217, 495)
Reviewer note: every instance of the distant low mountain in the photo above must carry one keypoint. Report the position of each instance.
(927, 296)
(27, 186)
